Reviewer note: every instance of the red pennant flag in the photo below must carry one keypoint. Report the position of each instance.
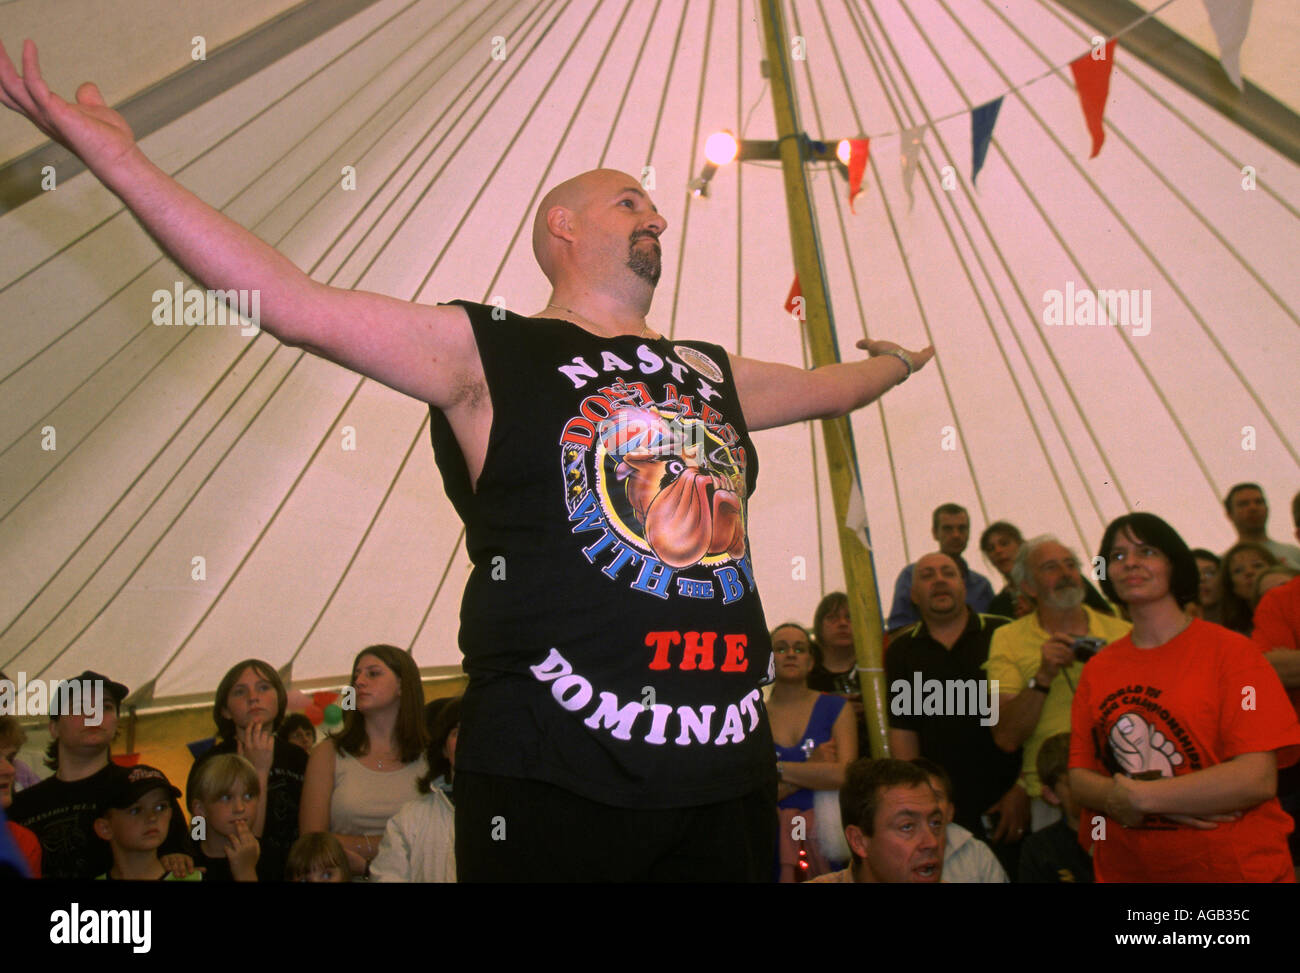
(1092, 81)
(858, 149)
(795, 292)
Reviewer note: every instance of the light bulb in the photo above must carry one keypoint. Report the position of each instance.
(721, 148)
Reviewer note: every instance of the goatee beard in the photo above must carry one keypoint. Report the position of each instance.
(645, 264)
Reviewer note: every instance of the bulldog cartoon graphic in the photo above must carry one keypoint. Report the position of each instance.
(686, 509)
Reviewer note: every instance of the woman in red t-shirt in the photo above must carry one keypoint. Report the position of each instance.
(1177, 731)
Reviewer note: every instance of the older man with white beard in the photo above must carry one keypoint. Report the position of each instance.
(1035, 661)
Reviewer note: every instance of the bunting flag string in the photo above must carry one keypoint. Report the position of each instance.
(1045, 74)
(1091, 71)
(982, 120)
(1230, 20)
(1092, 81)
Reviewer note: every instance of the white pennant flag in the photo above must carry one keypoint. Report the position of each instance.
(910, 152)
(1230, 19)
(855, 514)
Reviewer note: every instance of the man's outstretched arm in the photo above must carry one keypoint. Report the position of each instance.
(776, 395)
(426, 352)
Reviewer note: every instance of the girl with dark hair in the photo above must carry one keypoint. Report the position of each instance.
(1236, 584)
(247, 709)
(1177, 731)
(835, 662)
(832, 635)
(1207, 593)
(359, 777)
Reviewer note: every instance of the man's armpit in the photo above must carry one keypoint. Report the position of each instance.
(469, 392)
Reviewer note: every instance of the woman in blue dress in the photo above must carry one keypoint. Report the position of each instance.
(816, 739)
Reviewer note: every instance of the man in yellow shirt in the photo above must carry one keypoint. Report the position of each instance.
(1034, 660)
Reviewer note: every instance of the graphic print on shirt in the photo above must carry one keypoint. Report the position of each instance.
(1145, 740)
(659, 483)
(1139, 748)
(655, 488)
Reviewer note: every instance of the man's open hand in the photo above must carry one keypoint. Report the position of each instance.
(87, 127)
(877, 348)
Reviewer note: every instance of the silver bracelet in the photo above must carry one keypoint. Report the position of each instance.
(905, 358)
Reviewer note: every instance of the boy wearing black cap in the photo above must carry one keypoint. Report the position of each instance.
(134, 818)
(61, 810)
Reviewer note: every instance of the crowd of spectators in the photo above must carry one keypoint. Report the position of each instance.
(267, 802)
(1048, 732)
(1140, 733)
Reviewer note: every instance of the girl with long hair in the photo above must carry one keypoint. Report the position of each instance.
(358, 777)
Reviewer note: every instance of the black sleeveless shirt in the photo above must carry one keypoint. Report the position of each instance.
(612, 632)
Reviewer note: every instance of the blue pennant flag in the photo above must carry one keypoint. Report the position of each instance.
(982, 120)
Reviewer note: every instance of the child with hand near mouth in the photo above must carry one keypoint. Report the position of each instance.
(224, 792)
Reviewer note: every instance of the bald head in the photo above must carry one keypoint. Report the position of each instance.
(576, 212)
(571, 195)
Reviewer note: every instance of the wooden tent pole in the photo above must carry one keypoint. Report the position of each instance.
(859, 575)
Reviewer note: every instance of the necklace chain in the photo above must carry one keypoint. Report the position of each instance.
(645, 327)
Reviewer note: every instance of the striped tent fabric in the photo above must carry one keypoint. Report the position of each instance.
(174, 497)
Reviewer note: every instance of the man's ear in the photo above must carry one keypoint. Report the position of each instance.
(857, 840)
(560, 221)
(103, 829)
(1050, 796)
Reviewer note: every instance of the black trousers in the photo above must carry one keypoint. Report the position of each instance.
(512, 830)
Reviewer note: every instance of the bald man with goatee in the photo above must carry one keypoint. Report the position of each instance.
(612, 728)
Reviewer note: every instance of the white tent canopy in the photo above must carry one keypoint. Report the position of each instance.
(128, 451)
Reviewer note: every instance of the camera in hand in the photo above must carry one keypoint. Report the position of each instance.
(1086, 646)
